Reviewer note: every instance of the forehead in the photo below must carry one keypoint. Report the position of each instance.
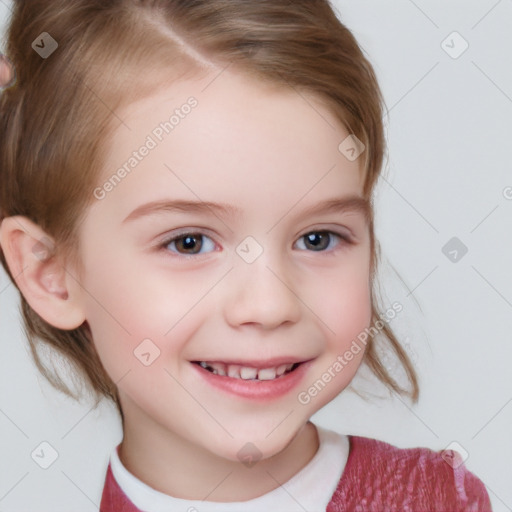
(231, 138)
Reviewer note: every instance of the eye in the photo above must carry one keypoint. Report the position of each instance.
(190, 243)
(320, 240)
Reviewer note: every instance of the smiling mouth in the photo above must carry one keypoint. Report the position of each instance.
(236, 371)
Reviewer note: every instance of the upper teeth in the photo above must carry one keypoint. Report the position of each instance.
(236, 371)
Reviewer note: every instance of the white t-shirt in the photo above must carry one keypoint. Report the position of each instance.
(310, 489)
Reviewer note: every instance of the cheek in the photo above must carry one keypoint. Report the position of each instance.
(345, 314)
(136, 317)
(344, 301)
(119, 312)
(343, 306)
(347, 311)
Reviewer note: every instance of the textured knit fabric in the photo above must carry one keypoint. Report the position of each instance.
(379, 477)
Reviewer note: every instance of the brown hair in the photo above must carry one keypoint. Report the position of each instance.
(57, 117)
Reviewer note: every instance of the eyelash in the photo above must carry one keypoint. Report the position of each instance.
(343, 240)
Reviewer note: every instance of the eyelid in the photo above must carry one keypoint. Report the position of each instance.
(342, 231)
(171, 235)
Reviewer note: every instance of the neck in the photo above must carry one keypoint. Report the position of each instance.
(174, 466)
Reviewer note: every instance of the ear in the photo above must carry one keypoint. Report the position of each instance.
(49, 288)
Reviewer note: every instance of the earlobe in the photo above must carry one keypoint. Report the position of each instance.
(45, 283)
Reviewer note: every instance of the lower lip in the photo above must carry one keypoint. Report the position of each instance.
(255, 389)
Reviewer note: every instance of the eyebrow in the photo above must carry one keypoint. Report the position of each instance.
(347, 204)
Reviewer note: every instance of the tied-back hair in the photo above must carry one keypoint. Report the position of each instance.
(56, 120)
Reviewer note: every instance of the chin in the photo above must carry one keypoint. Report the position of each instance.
(252, 448)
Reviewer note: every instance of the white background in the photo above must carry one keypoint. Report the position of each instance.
(449, 134)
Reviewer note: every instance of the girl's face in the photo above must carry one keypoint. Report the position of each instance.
(258, 272)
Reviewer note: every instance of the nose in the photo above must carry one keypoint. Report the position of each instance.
(261, 293)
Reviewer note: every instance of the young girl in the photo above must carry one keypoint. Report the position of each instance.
(187, 213)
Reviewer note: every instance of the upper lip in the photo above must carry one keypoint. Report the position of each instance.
(255, 363)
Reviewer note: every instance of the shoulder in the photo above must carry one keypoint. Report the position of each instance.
(380, 476)
(113, 498)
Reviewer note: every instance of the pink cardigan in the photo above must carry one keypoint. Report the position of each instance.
(379, 477)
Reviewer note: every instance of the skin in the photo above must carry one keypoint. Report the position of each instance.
(272, 153)
(6, 72)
